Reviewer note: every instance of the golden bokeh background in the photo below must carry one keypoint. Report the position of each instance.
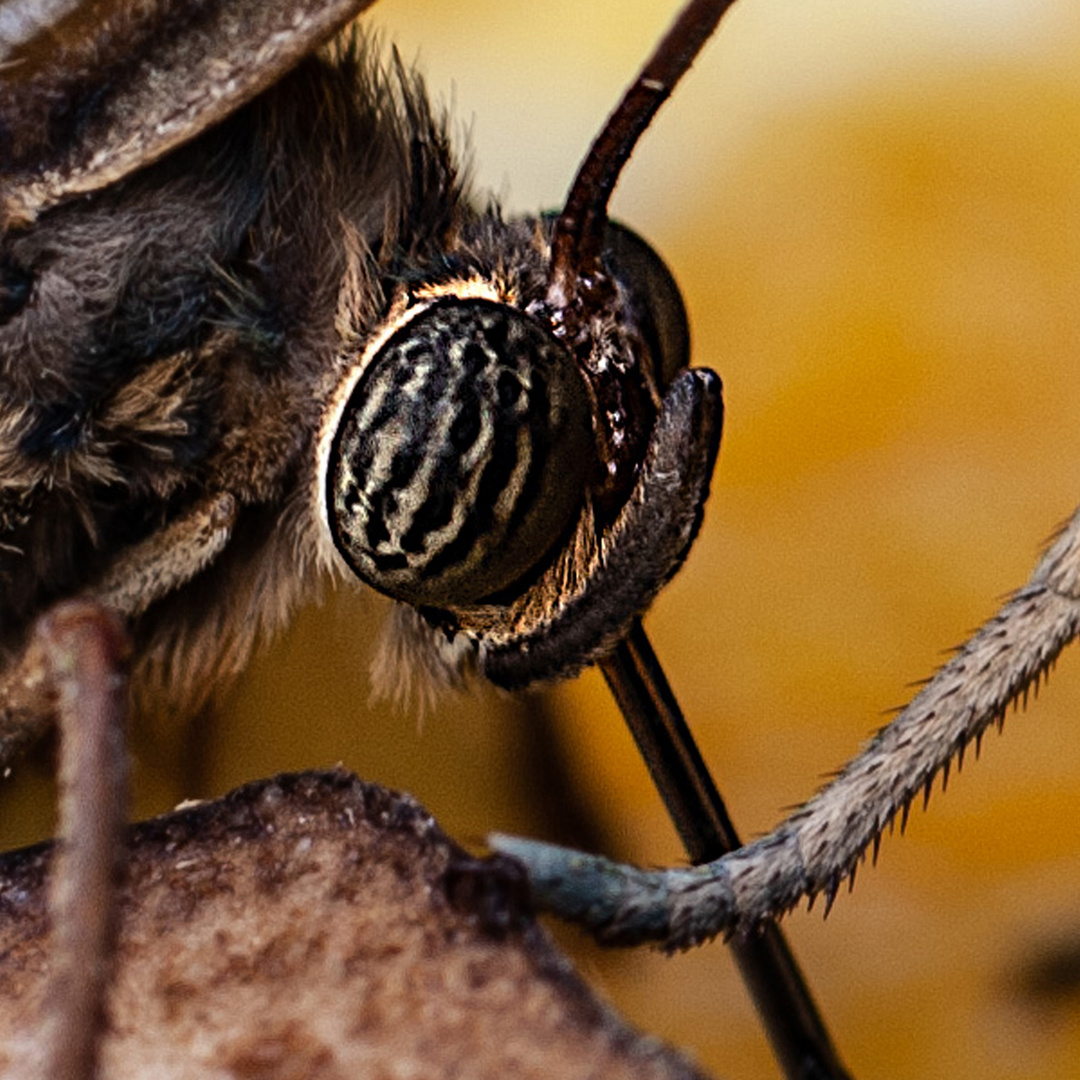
(874, 212)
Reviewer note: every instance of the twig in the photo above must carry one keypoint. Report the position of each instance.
(85, 649)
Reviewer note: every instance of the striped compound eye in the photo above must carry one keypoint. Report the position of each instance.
(461, 455)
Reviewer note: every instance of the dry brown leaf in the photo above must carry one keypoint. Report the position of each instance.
(312, 927)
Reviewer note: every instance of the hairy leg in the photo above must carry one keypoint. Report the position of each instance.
(142, 575)
(822, 842)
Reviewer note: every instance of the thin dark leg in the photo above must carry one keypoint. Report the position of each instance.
(795, 1029)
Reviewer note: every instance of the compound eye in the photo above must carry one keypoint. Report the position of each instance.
(656, 304)
(461, 456)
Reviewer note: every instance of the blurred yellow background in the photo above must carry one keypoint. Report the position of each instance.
(874, 212)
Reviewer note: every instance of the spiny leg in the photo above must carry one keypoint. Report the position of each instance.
(794, 1025)
(822, 842)
(139, 577)
(646, 545)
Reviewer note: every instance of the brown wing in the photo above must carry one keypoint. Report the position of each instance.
(91, 92)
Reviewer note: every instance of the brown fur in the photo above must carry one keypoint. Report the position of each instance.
(240, 239)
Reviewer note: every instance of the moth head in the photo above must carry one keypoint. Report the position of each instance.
(461, 446)
(527, 464)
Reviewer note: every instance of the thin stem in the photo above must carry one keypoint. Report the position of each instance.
(794, 1026)
(86, 649)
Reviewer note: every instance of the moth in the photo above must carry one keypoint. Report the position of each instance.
(227, 268)
(254, 329)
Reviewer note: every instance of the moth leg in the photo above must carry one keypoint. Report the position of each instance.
(642, 551)
(168, 559)
(141, 576)
(85, 649)
(823, 841)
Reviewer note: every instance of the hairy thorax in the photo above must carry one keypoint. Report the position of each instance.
(169, 337)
